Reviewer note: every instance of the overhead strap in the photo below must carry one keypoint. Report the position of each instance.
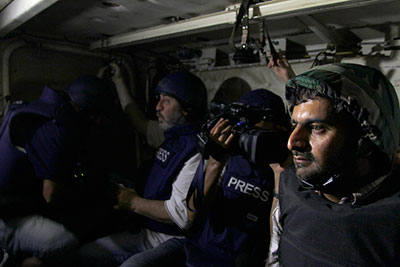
(274, 54)
(242, 18)
(264, 30)
(261, 38)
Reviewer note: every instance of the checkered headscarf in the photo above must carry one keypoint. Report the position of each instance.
(362, 91)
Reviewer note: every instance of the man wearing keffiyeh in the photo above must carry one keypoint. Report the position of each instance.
(339, 204)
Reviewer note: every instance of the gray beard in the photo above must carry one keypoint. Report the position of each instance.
(177, 119)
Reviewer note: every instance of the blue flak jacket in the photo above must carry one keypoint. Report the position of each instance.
(178, 147)
(237, 226)
(19, 171)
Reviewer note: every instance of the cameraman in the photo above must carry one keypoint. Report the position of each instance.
(231, 199)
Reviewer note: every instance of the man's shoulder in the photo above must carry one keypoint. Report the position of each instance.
(183, 135)
(288, 176)
(289, 184)
(389, 190)
(187, 130)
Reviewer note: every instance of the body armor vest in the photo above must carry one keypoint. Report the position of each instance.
(178, 147)
(317, 232)
(238, 223)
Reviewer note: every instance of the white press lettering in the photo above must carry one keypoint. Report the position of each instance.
(256, 192)
(265, 195)
(248, 189)
(162, 154)
(232, 181)
(241, 184)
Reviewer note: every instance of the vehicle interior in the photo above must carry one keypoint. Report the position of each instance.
(226, 43)
(51, 42)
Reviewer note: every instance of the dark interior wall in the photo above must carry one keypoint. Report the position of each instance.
(31, 68)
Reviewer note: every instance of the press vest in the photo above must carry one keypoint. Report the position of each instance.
(317, 232)
(10, 156)
(19, 185)
(178, 147)
(238, 222)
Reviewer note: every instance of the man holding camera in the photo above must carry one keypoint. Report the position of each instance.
(229, 201)
(181, 105)
(339, 205)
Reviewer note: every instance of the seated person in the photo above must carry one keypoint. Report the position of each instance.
(39, 155)
(182, 103)
(338, 205)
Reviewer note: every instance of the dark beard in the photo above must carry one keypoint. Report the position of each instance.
(336, 165)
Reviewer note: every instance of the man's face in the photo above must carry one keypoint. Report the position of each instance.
(318, 141)
(169, 112)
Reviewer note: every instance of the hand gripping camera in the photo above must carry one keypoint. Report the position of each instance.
(258, 145)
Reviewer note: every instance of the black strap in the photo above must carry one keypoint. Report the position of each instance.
(263, 29)
(274, 53)
(261, 38)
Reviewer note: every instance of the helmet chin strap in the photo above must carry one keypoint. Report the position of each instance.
(328, 182)
(352, 197)
(335, 183)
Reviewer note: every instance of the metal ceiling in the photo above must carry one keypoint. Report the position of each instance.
(4, 3)
(165, 25)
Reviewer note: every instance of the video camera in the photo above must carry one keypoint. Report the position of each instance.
(259, 146)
